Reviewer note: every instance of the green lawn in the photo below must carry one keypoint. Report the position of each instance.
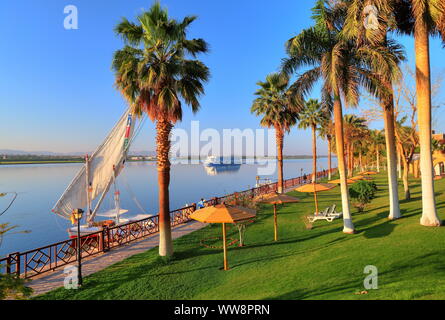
(322, 263)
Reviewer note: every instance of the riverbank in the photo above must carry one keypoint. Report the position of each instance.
(322, 263)
(56, 162)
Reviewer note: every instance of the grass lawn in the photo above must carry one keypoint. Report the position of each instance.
(322, 263)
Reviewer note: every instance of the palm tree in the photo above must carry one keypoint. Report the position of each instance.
(407, 141)
(354, 131)
(332, 60)
(279, 111)
(425, 15)
(420, 18)
(327, 132)
(312, 116)
(377, 140)
(156, 73)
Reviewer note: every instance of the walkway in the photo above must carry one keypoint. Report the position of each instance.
(53, 280)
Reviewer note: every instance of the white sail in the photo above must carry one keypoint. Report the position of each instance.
(105, 164)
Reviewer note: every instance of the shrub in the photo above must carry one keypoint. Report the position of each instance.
(363, 192)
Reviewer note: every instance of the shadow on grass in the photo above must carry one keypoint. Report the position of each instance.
(382, 230)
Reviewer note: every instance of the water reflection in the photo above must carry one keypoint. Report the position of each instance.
(39, 187)
(222, 169)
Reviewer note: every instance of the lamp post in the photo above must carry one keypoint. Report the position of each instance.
(77, 215)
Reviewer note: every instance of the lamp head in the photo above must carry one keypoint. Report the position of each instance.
(77, 214)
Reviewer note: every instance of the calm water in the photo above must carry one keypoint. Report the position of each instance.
(39, 187)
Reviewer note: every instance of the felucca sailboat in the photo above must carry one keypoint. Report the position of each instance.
(95, 179)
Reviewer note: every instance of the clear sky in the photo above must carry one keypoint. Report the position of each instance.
(56, 85)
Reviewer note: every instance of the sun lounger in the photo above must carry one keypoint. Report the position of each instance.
(333, 213)
(323, 213)
(329, 214)
(321, 216)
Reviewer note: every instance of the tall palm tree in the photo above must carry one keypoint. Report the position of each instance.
(279, 111)
(426, 13)
(355, 29)
(331, 59)
(327, 132)
(312, 116)
(420, 18)
(156, 73)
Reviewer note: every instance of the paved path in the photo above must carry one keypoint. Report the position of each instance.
(53, 280)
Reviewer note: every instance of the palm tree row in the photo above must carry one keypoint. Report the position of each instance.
(347, 57)
(418, 18)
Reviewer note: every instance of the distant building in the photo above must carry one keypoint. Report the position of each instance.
(438, 158)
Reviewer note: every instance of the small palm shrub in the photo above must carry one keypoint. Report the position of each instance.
(363, 192)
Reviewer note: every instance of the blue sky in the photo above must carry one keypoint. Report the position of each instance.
(57, 89)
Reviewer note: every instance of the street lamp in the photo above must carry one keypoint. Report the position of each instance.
(77, 215)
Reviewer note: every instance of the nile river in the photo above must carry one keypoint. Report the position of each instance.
(39, 187)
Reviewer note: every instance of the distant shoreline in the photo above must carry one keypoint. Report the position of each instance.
(23, 162)
(4, 163)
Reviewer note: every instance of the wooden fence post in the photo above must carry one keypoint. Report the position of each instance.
(106, 234)
(8, 264)
(17, 265)
(101, 241)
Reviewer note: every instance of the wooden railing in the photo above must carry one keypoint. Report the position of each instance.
(38, 261)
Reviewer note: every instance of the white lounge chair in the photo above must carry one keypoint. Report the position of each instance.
(321, 216)
(323, 213)
(333, 213)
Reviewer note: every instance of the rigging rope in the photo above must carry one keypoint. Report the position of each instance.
(127, 185)
(12, 201)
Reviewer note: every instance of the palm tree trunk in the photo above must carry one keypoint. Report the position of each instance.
(399, 164)
(163, 129)
(405, 179)
(423, 85)
(329, 158)
(279, 135)
(314, 154)
(378, 158)
(388, 110)
(351, 155)
(348, 226)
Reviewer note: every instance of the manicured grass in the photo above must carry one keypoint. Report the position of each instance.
(322, 263)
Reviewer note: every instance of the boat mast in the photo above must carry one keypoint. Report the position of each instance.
(88, 186)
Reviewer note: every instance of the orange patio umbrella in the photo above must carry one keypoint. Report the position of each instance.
(315, 187)
(357, 178)
(223, 213)
(368, 173)
(338, 181)
(276, 198)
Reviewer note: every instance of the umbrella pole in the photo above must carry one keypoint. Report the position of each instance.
(275, 222)
(316, 201)
(226, 265)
